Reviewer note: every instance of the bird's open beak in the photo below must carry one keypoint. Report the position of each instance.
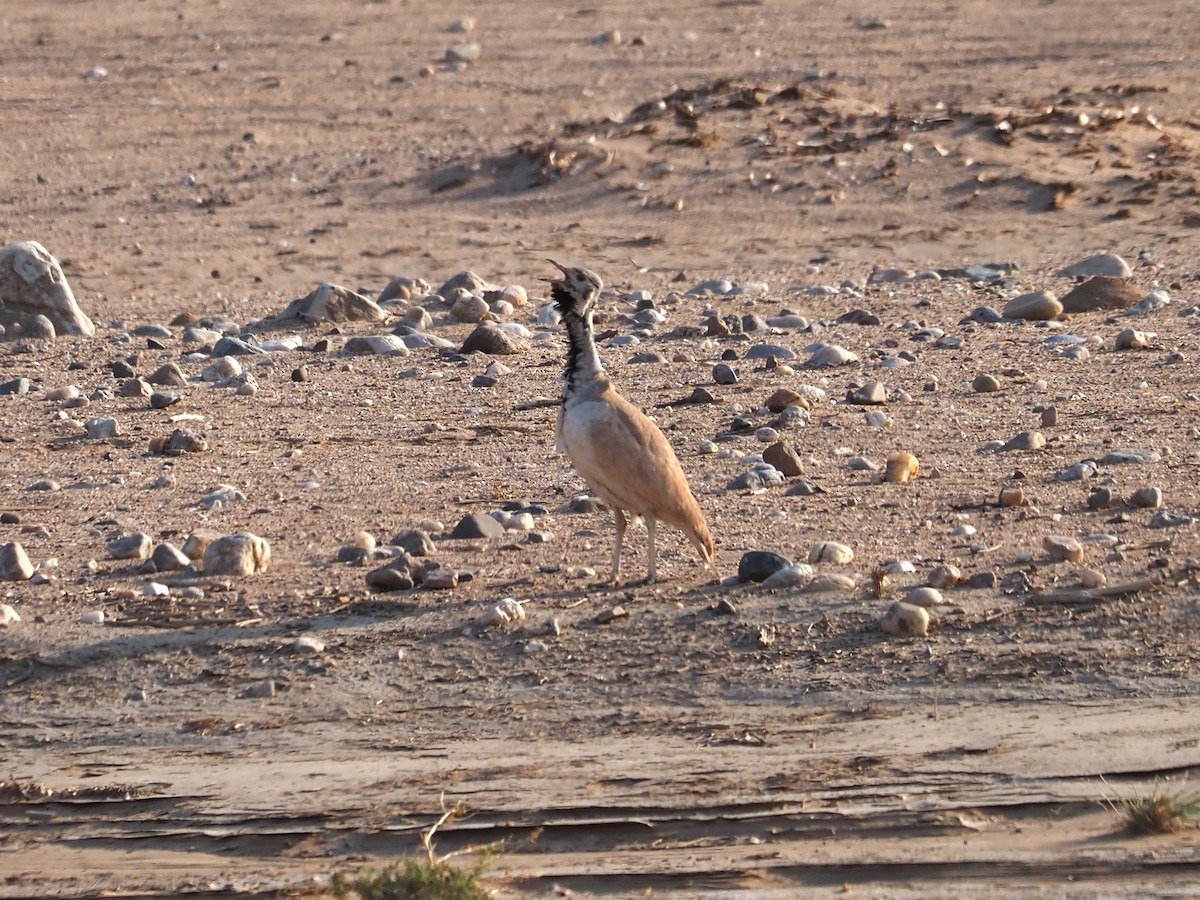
(561, 268)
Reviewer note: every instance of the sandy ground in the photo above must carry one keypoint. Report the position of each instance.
(720, 740)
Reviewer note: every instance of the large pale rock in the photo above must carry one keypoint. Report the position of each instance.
(1105, 264)
(237, 554)
(14, 563)
(32, 283)
(334, 303)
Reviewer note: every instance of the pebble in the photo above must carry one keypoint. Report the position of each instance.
(1105, 264)
(521, 521)
(1155, 300)
(1049, 417)
(829, 355)
(92, 617)
(468, 52)
(102, 428)
(1091, 578)
(469, 309)
(395, 576)
(242, 553)
(789, 576)
(40, 328)
(1100, 498)
(1132, 339)
(789, 321)
(8, 616)
(982, 581)
(830, 552)
(308, 645)
(1077, 472)
(169, 375)
(862, 464)
(1026, 440)
(130, 546)
(761, 476)
(1147, 498)
(475, 526)
(608, 615)
(492, 339)
(14, 563)
(414, 542)
(156, 589)
(759, 565)
(985, 383)
(333, 303)
(822, 584)
(1164, 519)
(59, 394)
(803, 488)
(1012, 495)
(1063, 549)
(905, 620)
(711, 286)
(984, 315)
(221, 496)
(261, 690)
(924, 596)
(222, 370)
(46, 484)
(794, 416)
(196, 543)
(872, 393)
(1037, 306)
(945, 576)
(647, 357)
(246, 345)
(507, 612)
(135, 388)
(1101, 293)
(783, 398)
(724, 374)
(1127, 455)
(164, 399)
(376, 344)
(901, 467)
(16, 386)
(179, 442)
(862, 317)
(766, 435)
(168, 558)
(783, 457)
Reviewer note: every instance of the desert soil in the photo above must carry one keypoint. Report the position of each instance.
(236, 154)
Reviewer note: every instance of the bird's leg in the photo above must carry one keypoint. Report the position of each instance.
(622, 521)
(650, 528)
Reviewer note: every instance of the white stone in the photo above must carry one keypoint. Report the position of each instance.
(32, 283)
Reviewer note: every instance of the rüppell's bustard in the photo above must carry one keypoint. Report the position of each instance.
(618, 451)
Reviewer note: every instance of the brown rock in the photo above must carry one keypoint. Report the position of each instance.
(784, 458)
(783, 398)
(1101, 293)
(901, 467)
(237, 554)
(1063, 549)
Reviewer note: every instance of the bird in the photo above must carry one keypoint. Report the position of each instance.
(621, 454)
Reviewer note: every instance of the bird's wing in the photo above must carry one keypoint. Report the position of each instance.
(625, 458)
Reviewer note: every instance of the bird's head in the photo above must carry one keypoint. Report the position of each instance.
(576, 291)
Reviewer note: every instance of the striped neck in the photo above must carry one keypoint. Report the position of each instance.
(583, 362)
